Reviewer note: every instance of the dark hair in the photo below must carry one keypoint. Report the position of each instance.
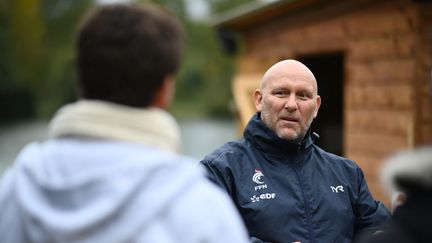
(126, 51)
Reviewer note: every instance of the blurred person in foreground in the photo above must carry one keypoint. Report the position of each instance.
(110, 171)
(286, 188)
(410, 174)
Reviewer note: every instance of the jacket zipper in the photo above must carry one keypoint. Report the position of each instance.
(306, 204)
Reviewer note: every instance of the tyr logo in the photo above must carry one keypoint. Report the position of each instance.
(337, 189)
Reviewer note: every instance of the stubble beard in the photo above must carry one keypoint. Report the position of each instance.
(294, 138)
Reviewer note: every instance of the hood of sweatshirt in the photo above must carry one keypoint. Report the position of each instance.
(68, 190)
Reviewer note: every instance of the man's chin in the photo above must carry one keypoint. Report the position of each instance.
(289, 136)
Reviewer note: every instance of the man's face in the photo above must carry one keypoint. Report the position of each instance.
(288, 104)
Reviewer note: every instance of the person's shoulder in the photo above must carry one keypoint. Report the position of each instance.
(202, 211)
(228, 152)
(207, 211)
(335, 159)
(30, 156)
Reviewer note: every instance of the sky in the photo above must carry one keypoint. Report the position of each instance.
(196, 9)
(101, 2)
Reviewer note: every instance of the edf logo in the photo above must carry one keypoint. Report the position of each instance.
(264, 196)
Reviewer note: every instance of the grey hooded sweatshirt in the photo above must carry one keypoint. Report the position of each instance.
(90, 190)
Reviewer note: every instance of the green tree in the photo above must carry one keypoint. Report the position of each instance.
(37, 44)
(204, 81)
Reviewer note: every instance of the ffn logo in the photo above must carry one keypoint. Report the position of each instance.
(337, 189)
(257, 177)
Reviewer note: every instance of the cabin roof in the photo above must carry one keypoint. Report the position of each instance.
(247, 15)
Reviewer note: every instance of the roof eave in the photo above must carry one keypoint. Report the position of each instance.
(247, 14)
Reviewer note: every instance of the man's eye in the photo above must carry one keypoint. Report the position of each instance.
(280, 93)
(303, 95)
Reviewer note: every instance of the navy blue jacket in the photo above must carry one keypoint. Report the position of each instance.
(287, 192)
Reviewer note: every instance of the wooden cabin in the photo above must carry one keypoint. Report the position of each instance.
(372, 60)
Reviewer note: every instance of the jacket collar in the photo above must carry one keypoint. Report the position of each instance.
(105, 120)
(267, 141)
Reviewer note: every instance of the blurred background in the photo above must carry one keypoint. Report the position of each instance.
(37, 71)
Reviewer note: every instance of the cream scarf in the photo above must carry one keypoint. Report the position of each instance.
(99, 119)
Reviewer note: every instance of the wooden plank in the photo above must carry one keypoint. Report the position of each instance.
(381, 47)
(378, 21)
(255, 44)
(319, 13)
(426, 107)
(377, 145)
(330, 34)
(325, 31)
(326, 34)
(316, 37)
(386, 122)
(251, 65)
(425, 133)
(395, 96)
(243, 88)
(287, 49)
(389, 71)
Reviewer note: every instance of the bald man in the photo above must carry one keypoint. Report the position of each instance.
(285, 187)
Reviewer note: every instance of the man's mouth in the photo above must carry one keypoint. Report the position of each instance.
(290, 119)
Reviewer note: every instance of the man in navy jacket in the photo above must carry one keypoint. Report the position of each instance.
(286, 188)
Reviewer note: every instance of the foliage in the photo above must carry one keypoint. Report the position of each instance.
(204, 81)
(37, 42)
(206, 73)
(37, 60)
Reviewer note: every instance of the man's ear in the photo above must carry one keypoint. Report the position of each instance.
(318, 104)
(164, 94)
(257, 95)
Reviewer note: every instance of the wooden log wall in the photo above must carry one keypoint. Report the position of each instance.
(424, 80)
(387, 51)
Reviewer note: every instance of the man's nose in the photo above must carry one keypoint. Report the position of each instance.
(291, 103)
